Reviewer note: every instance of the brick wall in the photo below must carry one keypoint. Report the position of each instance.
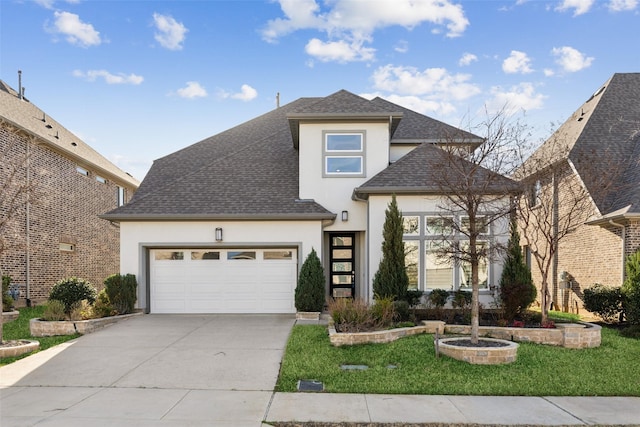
(64, 209)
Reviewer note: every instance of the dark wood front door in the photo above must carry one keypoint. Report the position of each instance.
(342, 258)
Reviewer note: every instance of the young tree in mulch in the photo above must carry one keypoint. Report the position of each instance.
(391, 279)
(517, 291)
(310, 292)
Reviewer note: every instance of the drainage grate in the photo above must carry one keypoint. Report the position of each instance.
(310, 385)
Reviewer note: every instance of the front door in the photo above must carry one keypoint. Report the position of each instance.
(342, 264)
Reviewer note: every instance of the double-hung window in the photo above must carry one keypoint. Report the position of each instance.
(344, 154)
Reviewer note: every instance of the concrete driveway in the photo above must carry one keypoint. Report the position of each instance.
(156, 370)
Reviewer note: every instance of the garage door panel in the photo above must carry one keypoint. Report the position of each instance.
(223, 281)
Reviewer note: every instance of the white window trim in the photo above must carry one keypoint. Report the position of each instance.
(339, 154)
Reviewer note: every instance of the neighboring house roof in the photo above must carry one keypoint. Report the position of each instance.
(251, 171)
(432, 170)
(602, 142)
(26, 116)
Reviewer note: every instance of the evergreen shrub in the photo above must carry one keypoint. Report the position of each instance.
(310, 291)
(517, 291)
(72, 290)
(631, 288)
(121, 290)
(605, 301)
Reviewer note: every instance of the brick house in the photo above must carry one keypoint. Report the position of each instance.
(56, 233)
(585, 186)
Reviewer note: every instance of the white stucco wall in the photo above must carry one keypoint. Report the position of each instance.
(332, 192)
(135, 237)
(424, 205)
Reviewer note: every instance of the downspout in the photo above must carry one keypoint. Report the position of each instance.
(623, 234)
(554, 243)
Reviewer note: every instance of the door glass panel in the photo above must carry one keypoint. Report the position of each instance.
(342, 253)
(342, 241)
(342, 279)
(233, 255)
(204, 255)
(169, 255)
(342, 293)
(342, 266)
(269, 255)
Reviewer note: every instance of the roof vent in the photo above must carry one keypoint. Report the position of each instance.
(57, 136)
(74, 144)
(596, 93)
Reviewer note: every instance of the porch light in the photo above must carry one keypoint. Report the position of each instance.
(345, 215)
(218, 234)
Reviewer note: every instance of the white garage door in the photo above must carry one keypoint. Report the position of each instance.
(223, 280)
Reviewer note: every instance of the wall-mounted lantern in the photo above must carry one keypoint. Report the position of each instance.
(218, 234)
(345, 215)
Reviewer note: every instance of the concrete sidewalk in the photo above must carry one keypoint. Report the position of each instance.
(453, 410)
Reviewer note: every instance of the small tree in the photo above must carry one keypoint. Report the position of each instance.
(310, 292)
(517, 291)
(391, 279)
(121, 290)
(631, 288)
(72, 290)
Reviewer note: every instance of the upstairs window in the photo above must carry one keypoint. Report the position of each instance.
(343, 154)
(82, 171)
(120, 196)
(535, 194)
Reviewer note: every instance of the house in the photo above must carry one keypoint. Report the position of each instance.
(53, 188)
(223, 225)
(585, 184)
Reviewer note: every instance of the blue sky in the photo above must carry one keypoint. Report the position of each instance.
(138, 80)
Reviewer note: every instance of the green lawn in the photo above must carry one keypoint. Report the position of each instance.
(19, 329)
(610, 370)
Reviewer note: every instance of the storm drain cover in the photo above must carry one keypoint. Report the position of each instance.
(354, 367)
(310, 385)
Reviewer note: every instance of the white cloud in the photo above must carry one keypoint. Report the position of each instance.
(514, 99)
(579, 7)
(112, 79)
(349, 23)
(247, 93)
(76, 31)
(47, 4)
(622, 5)
(467, 59)
(548, 72)
(339, 51)
(402, 46)
(192, 90)
(416, 103)
(432, 81)
(570, 59)
(517, 62)
(171, 33)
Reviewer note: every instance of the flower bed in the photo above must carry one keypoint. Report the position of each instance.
(569, 335)
(491, 351)
(18, 348)
(43, 328)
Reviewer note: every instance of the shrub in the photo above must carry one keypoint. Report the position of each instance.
(461, 299)
(517, 291)
(632, 331)
(54, 311)
(7, 301)
(414, 297)
(72, 290)
(310, 292)
(438, 297)
(631, 288)
(391, 279)
(121, 290)
(383, 312)
(402, 312)
(103, 307)
(351, 315)
(605, 301)
(81, 310)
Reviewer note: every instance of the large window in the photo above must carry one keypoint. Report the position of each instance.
(344, 154)
(429, 249)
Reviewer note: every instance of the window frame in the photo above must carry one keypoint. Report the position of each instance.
(333, 153)
(120, 196)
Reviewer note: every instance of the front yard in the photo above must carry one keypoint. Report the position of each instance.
(19, 330)
(409, 366)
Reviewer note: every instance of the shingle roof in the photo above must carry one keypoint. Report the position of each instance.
(26, 116)
(251, 171)
(602, 140)
(428, 170)
(416, 127)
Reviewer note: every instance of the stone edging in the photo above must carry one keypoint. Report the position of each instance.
(26, 346)
(479, 355)
(9, 316)
(568, 335)
(43, 328)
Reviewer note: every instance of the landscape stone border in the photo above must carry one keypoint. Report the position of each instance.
(18, 349)
(568, 335)
(10, 316)
(499, 355)
(44, 328)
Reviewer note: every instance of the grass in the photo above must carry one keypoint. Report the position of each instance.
(540, 370)
(19, 330)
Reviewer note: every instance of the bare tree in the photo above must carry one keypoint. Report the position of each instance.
(475, 193)
(17, 193)
(558, 200)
